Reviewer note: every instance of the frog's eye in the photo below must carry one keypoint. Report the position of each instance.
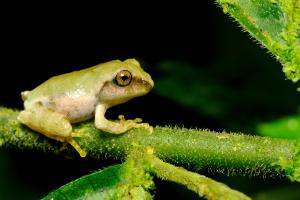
(123, 78)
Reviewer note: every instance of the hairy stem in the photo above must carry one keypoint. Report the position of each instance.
(199, 149)
(203, 186)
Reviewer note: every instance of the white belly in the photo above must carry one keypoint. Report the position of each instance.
(75, 109)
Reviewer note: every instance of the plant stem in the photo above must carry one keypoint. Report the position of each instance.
(199, 149)
(203, 186)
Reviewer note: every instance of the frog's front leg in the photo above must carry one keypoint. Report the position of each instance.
(117, 127)
(50, 123)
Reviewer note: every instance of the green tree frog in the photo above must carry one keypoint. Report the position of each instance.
(53, 106)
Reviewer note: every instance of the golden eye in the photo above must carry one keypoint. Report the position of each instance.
(123, 78)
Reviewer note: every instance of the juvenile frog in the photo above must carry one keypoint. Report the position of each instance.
(53, 106)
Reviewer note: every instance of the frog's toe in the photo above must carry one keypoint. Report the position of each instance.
(76, 146)
(138, 120)
(121, 118)
(145, 126)
(150, 128)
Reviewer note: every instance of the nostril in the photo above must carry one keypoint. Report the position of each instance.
(145, 82)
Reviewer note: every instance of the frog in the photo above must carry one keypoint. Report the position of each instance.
(61, 101)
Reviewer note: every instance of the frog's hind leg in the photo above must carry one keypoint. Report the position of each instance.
(51, 124)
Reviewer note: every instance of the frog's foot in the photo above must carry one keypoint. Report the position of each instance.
(76, 146)
(51, 124)
(135, 123)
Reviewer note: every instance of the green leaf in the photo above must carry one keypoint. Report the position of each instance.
(275, 24)
(286, 127)
(116, 182)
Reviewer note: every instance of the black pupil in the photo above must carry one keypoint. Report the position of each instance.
(124, 77)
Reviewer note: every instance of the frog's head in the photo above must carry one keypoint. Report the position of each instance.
(127, 80)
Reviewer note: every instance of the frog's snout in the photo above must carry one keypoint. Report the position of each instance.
(148, 83)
